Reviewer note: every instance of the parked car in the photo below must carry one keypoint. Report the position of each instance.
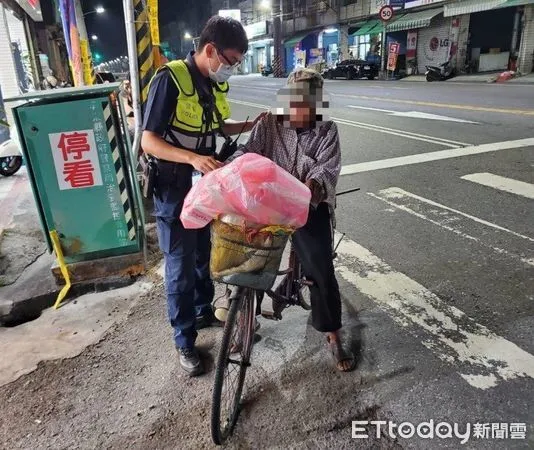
(105, 77)
(351, 69)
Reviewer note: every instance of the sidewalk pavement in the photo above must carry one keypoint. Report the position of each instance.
(477, 78)
(27, 285)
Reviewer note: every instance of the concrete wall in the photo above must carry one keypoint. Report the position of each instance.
(8, 75)
(357, 10)
(463, 37)
(312, 20)
(344, 41)
(526, 49)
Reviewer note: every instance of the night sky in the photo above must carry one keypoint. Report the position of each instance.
(109, 26)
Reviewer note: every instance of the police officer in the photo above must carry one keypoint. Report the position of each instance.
(185, 110)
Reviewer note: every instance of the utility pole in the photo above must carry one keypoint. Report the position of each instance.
(277, 18)
(88, 71)
(383, 47)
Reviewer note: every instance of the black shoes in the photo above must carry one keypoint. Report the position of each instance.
(190, 361)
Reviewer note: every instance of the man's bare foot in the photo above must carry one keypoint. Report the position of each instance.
(344, 359)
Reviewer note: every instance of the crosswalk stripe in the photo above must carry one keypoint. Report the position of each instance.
(398, 193)
(483, 358)
(445, 217)
(401, 161)
(502, 183)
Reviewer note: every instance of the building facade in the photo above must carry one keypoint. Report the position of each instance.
(21, 66)
(475, 35)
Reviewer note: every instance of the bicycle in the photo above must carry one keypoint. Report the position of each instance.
(233, 359)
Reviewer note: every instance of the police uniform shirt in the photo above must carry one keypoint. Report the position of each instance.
(162, 98)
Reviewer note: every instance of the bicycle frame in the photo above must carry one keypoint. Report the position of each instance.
(288, 293)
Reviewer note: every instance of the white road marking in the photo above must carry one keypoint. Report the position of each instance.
(414, 114)
(428, 116)
(401, 133)
(434, 156)
(410, 133)
(377, 128)
(502, 183)
(397, 193)
(254, 88)
(253, 105)
(484, 359)
(444, 217)
(368, 108)
(364, 85)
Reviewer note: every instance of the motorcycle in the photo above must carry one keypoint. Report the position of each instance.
(444, 72)
(266, 71)
(10, 157)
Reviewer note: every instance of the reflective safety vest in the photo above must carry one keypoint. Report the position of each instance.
(189, 111)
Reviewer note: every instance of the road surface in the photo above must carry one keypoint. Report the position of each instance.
(436, 273)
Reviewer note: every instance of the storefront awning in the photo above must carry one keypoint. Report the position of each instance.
(370, 27)
(471, 6)
(291, 42)
(414, 20)
(511, 3)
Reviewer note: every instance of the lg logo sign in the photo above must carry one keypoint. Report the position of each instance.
(436, 43)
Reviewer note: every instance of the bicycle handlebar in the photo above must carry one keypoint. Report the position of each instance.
(348, 191)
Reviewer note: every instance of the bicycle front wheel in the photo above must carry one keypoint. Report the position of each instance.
(232, 363)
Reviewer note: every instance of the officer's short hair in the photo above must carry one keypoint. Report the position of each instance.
(225, 33)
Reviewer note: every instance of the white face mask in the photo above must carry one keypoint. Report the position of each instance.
(222, 73)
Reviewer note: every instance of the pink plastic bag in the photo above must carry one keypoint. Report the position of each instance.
(252, 187)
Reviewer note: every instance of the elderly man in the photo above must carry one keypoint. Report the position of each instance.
(299, 141)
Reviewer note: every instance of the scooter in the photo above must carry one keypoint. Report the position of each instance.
(266, 71)
(441, 73)
(10, 157)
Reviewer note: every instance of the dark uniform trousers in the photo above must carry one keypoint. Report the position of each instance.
(188, 284)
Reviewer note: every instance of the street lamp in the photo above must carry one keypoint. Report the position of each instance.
(94, 37)
(97, 10)
(188, 37)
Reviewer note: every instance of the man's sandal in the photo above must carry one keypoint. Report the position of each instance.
(340, 355)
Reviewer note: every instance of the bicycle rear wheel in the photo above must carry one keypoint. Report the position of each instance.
(232, 363)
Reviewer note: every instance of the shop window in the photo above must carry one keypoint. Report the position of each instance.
(287, 6)
(364, 45)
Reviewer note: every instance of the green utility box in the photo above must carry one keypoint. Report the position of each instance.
(82, 171)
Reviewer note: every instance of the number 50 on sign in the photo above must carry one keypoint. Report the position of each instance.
(386, 13)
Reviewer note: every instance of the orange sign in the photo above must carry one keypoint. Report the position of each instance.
(394, 48)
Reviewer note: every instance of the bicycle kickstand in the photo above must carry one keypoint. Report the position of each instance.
(334, 255)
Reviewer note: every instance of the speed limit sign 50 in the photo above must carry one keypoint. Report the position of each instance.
(386, 13)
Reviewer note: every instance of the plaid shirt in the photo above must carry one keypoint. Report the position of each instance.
(312, 154)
